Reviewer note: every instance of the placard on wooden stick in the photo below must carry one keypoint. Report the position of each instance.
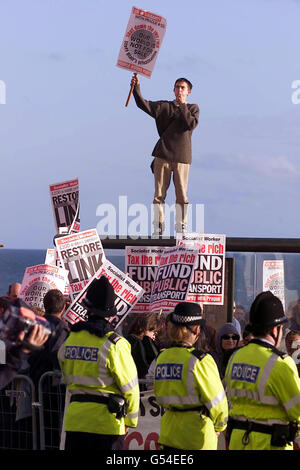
(142, 40)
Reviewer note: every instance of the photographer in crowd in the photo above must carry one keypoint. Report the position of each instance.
(17, 354)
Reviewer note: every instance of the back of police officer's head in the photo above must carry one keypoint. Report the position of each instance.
(185, 322)
(266, 313)
(100, 299)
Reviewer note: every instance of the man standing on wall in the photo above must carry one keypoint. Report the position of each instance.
(175, 122)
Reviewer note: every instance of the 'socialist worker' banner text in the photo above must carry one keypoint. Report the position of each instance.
(127, 295)
(173, 277)
(38, 280)
(65, 205)
(207, 286)
(82, 255)
(143, 37)
(141, 263)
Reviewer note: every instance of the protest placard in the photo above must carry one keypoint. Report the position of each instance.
(52, 258)
(81, 254)
(173, 277)
(127, 293)
(207, 286)
(145, 435)
(65, 205)
(38, 280)
(141, 263)
(273, 278)
(142, 40)
(190, 239)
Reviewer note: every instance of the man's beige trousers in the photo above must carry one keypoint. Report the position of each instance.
(163, 170)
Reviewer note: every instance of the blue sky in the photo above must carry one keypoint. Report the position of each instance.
(65, 117)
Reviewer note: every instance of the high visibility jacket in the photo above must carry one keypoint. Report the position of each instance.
(183, 382)
(99, 366)
(263, 387)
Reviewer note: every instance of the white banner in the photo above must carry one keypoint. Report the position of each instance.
(126, 290)
(38, 280)
(145, 435)
(207, 286)
(65, 205)
(82, 255)
(143, 37)
(273, 278)
(52, 258)
(173, 278)
(141, 264)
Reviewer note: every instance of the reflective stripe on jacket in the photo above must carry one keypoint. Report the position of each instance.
(183, 381)
(99, 366)
(263, 387)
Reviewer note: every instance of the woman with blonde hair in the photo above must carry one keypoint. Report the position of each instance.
(187, 384)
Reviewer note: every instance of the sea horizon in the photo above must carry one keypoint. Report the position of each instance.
(14, 261)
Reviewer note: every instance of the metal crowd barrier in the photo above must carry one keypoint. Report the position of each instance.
(27, 424)
(51, 393)
(18, 415)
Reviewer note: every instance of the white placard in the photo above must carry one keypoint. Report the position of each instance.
(81, 254)
(273, 278)
(142, 40)
(127, 293)
(65, 204)
(38, 280)
(141, 263)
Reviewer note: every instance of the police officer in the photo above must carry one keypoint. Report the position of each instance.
(262, 384)
(101, 377)
(187, 384)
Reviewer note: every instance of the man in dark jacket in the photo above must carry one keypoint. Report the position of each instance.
(46, 360)
(175, 122)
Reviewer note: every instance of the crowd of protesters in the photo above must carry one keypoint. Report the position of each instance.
(147, 334)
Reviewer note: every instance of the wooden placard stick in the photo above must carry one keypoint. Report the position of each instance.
(130, 91)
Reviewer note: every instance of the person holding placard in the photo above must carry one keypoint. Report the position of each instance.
(175, 122)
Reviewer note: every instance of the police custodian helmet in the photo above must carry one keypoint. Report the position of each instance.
(187, 313)
(267, 311)
(100, 298)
